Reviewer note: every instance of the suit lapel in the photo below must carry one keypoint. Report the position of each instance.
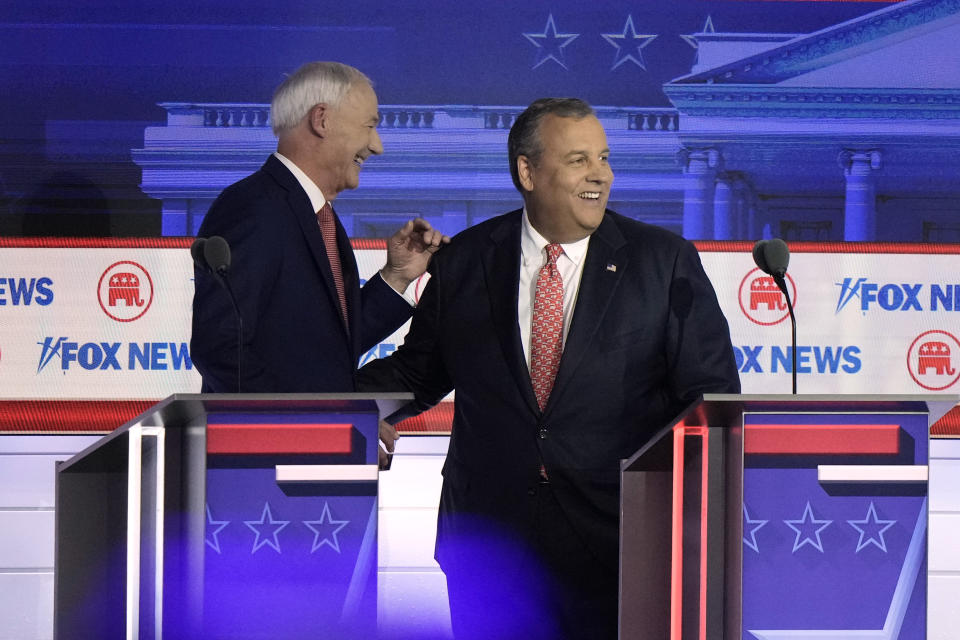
(501, 268)
(306, 218)
(597, 286)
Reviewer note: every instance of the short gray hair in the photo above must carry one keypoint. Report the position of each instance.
(311, 84)
(524, 138)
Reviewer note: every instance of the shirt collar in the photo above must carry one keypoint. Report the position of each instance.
(313, 191)
(532, 244)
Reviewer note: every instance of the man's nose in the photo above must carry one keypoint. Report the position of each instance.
(600, 173)
(376, 145)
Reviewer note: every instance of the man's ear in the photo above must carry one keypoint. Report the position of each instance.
(524, 172)
(318, 119)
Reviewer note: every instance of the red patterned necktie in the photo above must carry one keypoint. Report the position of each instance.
(546, 330)
(328, 229)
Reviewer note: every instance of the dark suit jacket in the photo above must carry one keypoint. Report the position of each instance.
(294, 338)
(647, 337)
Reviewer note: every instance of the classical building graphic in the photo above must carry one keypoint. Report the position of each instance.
(848, 133)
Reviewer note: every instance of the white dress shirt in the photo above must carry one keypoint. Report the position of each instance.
(317, 199)
(533, 256)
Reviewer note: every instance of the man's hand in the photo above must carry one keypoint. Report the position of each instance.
(388, 436)
(409, 251)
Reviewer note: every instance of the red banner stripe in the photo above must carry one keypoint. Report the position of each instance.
(823, 439)
(103, 416)
(279, 439)
(168, 242)
(68, 416)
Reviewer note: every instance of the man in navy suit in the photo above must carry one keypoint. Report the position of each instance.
(527, 533)
(306, 320)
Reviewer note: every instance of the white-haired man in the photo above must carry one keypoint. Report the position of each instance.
(306, 320)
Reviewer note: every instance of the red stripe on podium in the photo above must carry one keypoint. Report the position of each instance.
(279, 439)
(829, 439)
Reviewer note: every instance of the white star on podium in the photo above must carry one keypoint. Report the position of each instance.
(756, 526)
(326, 522)
(266, 520)
(871, 522)
(214, 527)
(805, 524)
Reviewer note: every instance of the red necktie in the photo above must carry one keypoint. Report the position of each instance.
(546, 330)
(328, 229)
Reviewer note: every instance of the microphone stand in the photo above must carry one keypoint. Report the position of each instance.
(782, 284)
(236, 311)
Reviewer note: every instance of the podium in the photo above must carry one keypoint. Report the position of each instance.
(769, 516)
(223, 515)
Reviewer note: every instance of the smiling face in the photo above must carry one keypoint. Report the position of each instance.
(349, 137)
(568, 185)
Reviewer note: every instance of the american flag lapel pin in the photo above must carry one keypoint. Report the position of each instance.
(611, 267)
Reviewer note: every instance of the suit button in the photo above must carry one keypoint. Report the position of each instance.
(543, 433)
(531, 491)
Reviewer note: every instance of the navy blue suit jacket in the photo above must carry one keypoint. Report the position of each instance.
(294, 338)
(647, 337)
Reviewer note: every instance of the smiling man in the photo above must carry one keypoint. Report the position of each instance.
(571, 334)
(306, 320)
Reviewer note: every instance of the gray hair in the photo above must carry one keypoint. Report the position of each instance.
(311, 84)
(524, 138)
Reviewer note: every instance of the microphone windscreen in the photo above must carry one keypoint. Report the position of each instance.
(759, 257)
(777, 256)
(217, 253)
(196, 252)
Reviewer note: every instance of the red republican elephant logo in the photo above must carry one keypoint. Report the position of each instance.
(761, 300)
(764, 290)
(125, 291)
(930, 360)
(124, 286)
(935, 355)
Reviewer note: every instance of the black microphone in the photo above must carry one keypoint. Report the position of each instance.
(777, 255)
(196, 252)
(216, 252)
(773, 256)
(213, 255)
(759, 258)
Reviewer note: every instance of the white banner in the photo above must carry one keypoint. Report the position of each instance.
(115, 322)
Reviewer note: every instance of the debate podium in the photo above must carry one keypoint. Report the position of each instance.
(779, 517)
(223, 515)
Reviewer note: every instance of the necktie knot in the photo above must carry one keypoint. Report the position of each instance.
(325, 212)
(554, 251)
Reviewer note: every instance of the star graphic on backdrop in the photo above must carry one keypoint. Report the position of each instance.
(550, 44)
(753, 526)
(808, 523)
(326, 523)
(625, 48)
(871, 523)
(266, 521)
(691, 38)
(214, 527)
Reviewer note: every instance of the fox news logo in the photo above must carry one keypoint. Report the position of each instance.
(819, 359)
(104, 356)
(125, 291)
(26, 291)
(897, 296)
